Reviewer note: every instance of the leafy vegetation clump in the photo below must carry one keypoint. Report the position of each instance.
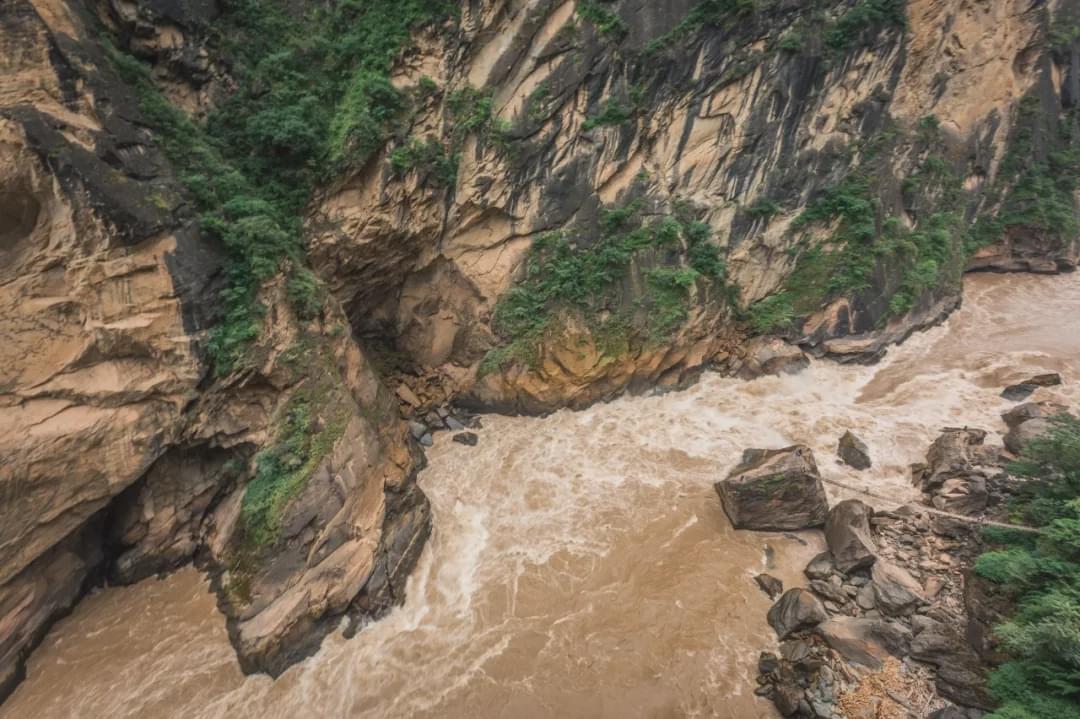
(707, 13)
(428, 157)
(863, 22)
(587, 272)
(868, 248)
(604, 18)
(614, 113)
(306, 435)
(313, 94)
(1042, 573)
(1041, 171)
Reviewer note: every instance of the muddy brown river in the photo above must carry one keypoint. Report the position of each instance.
(580, 564)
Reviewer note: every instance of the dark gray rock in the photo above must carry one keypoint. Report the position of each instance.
(775, 489)
(1050, 379)
(469, 439)
(962, 495)
(454, 424)
(417, 429)
(426, 440)
(797, 610)
(847, 532)
(1017, 392)
(958, 465)
(770, 585)
(831, 590)
(820, 567)
(767, 663)
(853, 451)
(865, 598)
(895, 590)
(1031, 410)
(952, 712)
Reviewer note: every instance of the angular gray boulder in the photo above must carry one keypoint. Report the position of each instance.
(847, 532)
(853, 451)
(775, 489)
(865, 641)
(896, 592)
(798, 609)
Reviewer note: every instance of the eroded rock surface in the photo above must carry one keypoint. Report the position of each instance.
(775, 489)
(116, 434)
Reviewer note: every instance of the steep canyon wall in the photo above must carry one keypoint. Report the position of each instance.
(568, 200)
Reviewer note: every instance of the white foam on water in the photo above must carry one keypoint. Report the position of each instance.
(579, 563)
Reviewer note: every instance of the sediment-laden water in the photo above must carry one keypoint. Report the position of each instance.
(580, 564)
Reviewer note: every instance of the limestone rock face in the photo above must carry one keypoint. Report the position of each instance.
(121, 455)
(103, 289)
(115, 435)
(775, 489)
(718, 120)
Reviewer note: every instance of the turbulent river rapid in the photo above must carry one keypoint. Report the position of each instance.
(580, 564)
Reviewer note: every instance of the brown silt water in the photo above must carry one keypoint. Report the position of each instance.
(580, 564)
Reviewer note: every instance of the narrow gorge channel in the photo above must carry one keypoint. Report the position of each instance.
(580, 563)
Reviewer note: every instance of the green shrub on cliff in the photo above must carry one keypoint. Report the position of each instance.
(313, 93)
(303, 440)
(592, 271)
(1042, 678)
(864, 21)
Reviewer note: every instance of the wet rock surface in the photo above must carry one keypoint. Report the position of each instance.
(853, 451)
(775, 489)
(907, 626)
(797, 610)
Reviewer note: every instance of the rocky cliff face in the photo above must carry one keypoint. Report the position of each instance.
(840, 156)
(559, 201)
(123, 454)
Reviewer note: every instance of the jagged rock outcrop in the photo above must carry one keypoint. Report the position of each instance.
(123, 455)
(853, 451)
(745, 123)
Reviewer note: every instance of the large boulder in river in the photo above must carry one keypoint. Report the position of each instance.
(847, 532)
(798, 609)
(853, 451)
(776, 489)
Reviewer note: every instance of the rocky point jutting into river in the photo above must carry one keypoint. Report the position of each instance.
(532, 205)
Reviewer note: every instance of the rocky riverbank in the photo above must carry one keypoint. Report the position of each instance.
(891, 621)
